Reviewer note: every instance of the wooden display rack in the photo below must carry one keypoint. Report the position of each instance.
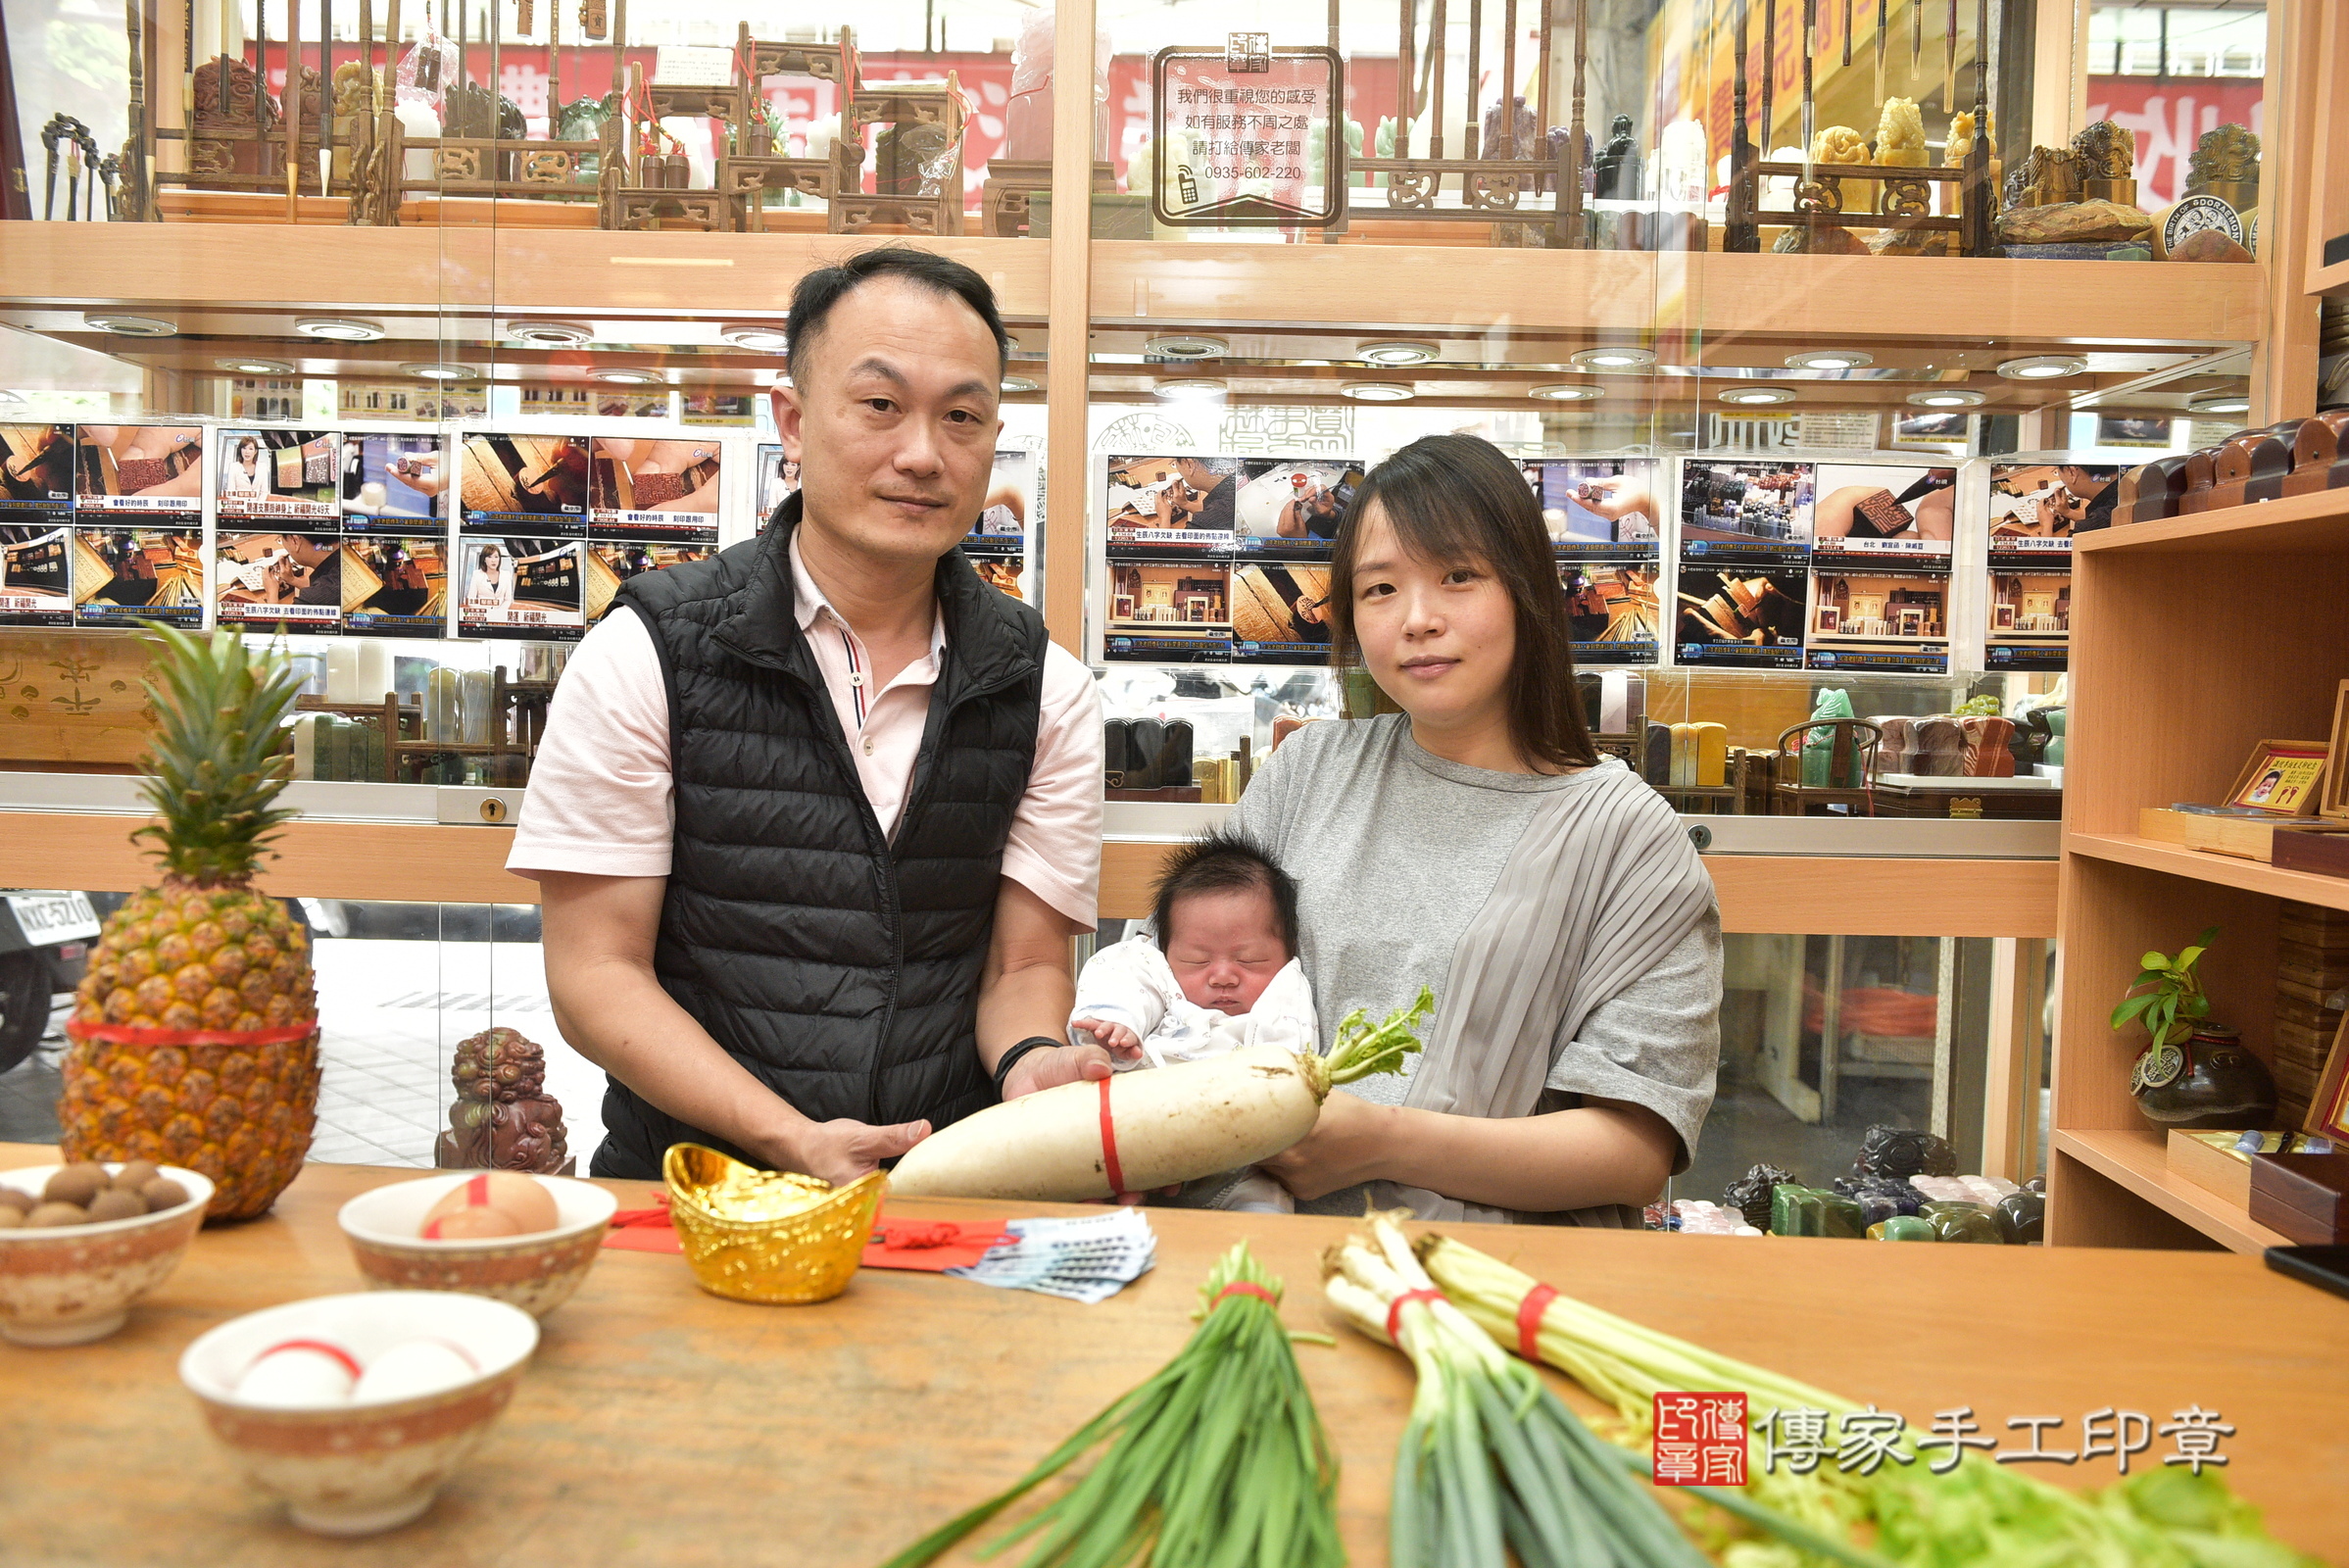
(2157, 718)
(1004, 199)
(1493, 189)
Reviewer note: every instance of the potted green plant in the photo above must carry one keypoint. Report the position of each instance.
(2193, 1073)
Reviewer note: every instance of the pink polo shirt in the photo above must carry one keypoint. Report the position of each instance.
(602, 798)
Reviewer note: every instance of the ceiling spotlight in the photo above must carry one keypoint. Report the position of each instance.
(2042, 367)
(339, 329)
(1187, 346)
(1397, 353)
(1567, 392)
(629, 377)
(550, 334)
(1828, 360)
(1952, 397)
(1192, 386)
(1377, 391)
(1020, 384)
(1757, 394)
(129, 325)
(1614, 357)
(441, 371)
(2221, 402)
(257, 367)
(758, 339)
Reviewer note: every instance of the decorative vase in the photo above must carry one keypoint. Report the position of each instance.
(2209, 1081)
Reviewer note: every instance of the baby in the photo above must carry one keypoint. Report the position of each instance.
(1221, 973)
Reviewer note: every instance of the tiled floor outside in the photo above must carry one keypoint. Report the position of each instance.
(391, 1014)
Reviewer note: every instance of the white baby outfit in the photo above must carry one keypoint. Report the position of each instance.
(1129, 982)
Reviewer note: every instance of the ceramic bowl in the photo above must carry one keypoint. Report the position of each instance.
(536, 1272)
(73, 1285)
(356, 1469)
(768, 1236)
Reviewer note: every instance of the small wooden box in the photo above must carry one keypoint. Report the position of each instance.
(2247, 838)
(2306, 1196)
(2321, 851)
(2211, 1161)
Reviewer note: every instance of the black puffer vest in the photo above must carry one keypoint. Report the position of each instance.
(838, 965)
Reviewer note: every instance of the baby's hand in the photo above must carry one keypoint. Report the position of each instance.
(1115, 1038)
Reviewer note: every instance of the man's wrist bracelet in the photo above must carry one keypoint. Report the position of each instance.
(1010, 1058)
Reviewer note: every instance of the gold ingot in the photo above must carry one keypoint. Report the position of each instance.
(768, 1236)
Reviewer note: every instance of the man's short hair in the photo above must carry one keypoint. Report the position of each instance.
(819, 292)
(1224, 862)
(1223, 467)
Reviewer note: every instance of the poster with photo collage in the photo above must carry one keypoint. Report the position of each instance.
(1743, 586)
(996, 545)
(1881, 537)
(395, 562)
(1217, 559)
(278, 538)
(523, 539)
(1604, 527)
(138, 524)
(2036, 509)
(36, 524)
(653, 503)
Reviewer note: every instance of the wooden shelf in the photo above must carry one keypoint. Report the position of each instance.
(2139, 1162)
(2318, 523)
(2221, 871)
(240, 269)
(1806, 298)
(2020, 306)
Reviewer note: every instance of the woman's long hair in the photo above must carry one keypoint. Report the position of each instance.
(1457, 499)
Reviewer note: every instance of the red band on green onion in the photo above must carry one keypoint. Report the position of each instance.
(1529, 1321)
(1394, 1311)
(1109, 1165)
(1246, 1288)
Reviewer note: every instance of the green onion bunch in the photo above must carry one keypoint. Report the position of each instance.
(1218, 1460)
(1974, 1512)
(1489, 1454)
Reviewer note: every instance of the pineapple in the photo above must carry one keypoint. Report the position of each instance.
(195, 1030)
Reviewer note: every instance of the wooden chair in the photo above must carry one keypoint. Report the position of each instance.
(1852, 755)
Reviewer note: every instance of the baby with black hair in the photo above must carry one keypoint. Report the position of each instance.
(1215, 970)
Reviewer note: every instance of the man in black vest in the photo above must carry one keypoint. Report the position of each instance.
(815, 820)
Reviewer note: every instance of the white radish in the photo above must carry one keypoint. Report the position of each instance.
(1156, 1127)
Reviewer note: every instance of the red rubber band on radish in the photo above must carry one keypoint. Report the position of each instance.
(1246, 1288)
(1109, 1165)
(332, 1352)
(1394, 1311)
(1529, 1321)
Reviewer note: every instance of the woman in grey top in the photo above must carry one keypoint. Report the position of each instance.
(1477, 843)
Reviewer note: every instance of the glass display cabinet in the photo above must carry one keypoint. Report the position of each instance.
(407, 333)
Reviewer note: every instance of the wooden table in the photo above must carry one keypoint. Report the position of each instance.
(663, 1426)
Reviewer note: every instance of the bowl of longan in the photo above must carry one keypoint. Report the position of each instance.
(527, 1240)
(79, 1242)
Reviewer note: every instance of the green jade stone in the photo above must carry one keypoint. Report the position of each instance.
(1955, 1221)
(1902, 1228)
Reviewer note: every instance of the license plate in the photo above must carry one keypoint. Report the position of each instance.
(52, 918)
